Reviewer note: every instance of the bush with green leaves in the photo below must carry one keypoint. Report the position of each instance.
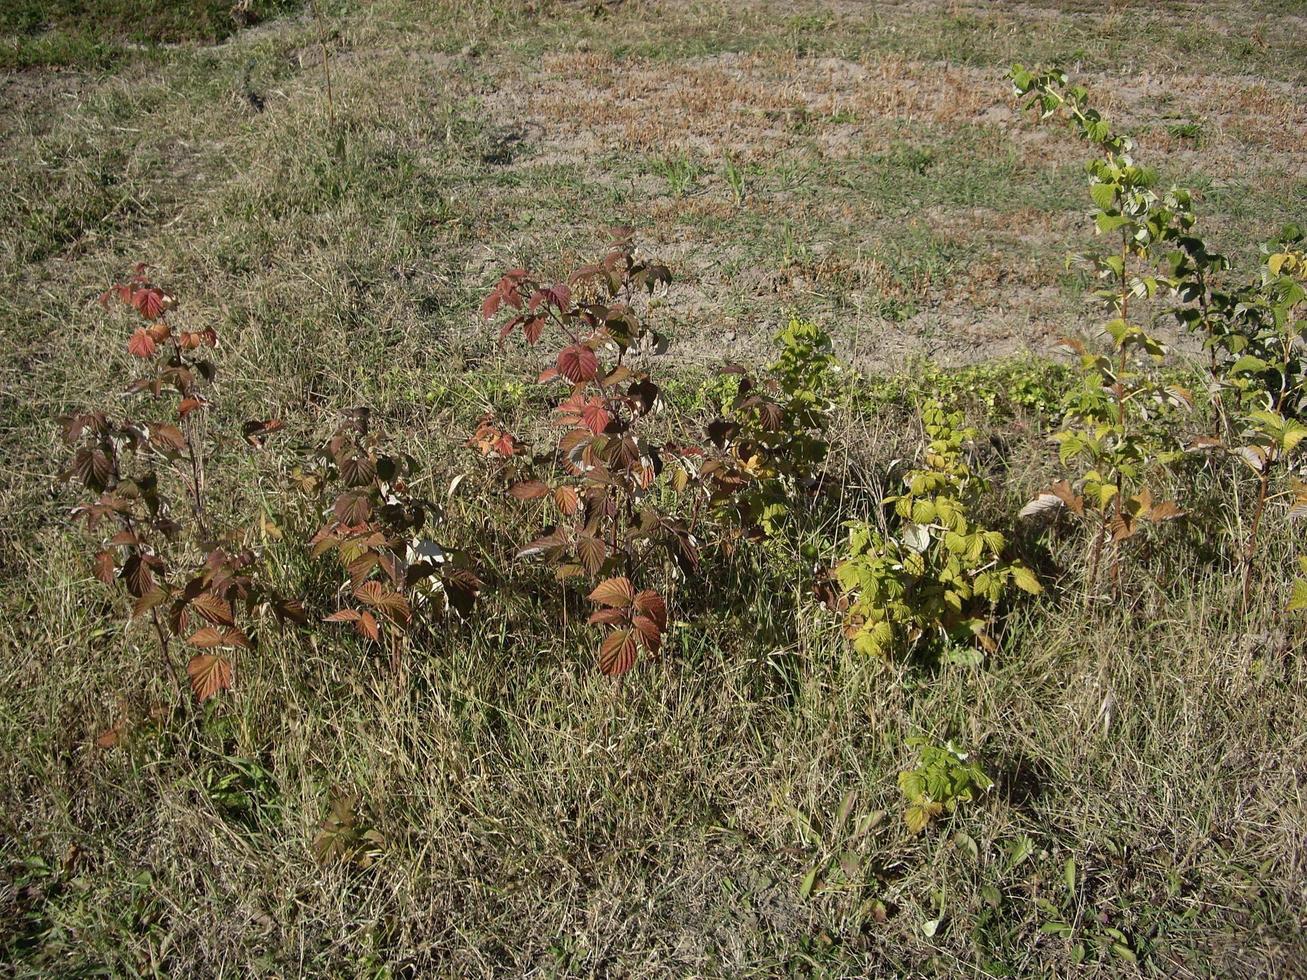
(1118, 426)
(1256, 335)
(767, 448)
(944, 778)
(938, 576)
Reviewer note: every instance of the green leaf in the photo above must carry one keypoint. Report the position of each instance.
(809, 881)
(1104, 195)
(1110, 222)
(1019, 850)
(1299, 600)
(1026, 580)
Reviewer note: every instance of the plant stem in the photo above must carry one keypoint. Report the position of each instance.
(1250, 549)
(326, 64)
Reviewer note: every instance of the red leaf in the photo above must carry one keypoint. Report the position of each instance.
(104, 567)
(393, 604)
(215, 610)
(609, 617)
(93, 467)
(188, 405)
(367, 626)
(210, 636)
(567, 500)
(141, 344)
(209, 674)
(256, 431)
(578, 363)
(651, 604)
(137, 575)
(549, 542)
(509, 325)
(167, 437)
(533, 328)
(151, 302)
(595, 416)
(616, 592)
(650, 634)
(353, 507)
(343, 616)
(617, 653)
(592, 553)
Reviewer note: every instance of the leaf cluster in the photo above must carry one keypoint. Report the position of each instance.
(943, 779)
(938, 575)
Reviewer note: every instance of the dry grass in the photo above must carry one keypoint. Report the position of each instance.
(537, 819)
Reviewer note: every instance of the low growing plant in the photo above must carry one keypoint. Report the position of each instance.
(594, 481)
(196, 583)
(380, 533)
(767, 449)
(939, 574)
(943, 779)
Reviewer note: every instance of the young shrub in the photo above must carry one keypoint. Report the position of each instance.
(198, 585)
(768, 449)
(1257, 337)
(938, 576)
(1116, 423)
(595, 481)
(1255, 333)
(378, 530)
(944, 779)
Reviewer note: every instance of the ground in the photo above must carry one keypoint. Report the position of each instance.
(335, 188)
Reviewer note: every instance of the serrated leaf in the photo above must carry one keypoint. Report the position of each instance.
(215, 610)
(615, 592)
(391, 603)
(1026, 580)
(141, 344)
(209, 674)
(578, 363)
(651, 604)
(649, 633)
(567, 500)
(617, 653)
(592, 552)
(105, 567)
(209, 637)
(528, 490)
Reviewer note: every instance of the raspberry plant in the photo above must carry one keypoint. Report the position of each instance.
(940, 573)
(769, 446)
(943, 779)
(378, 530)
(595, 478)
(1115, 423)
(1256, 334)
(198, 585)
